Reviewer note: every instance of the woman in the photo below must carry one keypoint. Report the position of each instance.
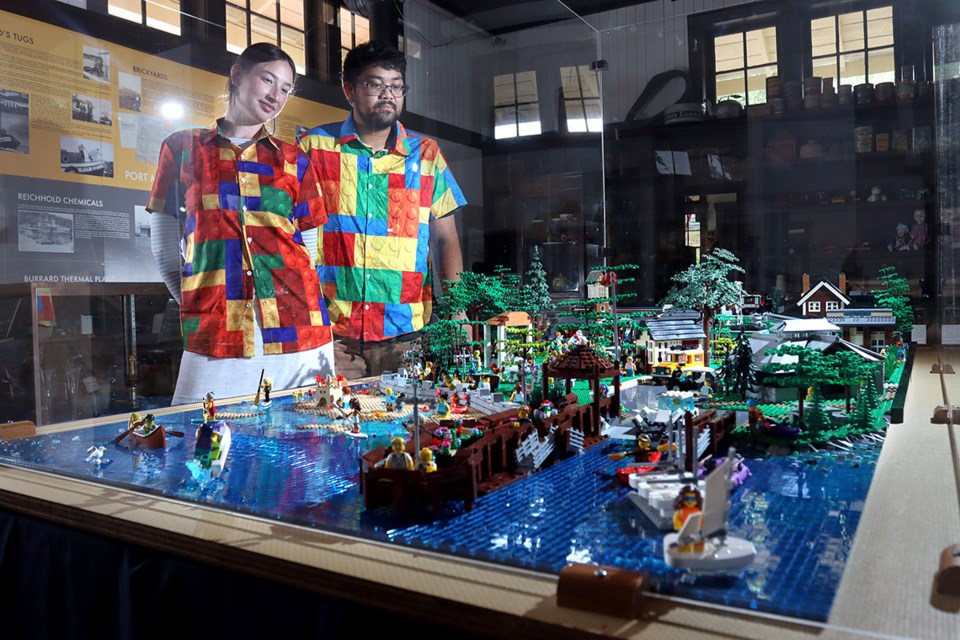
(235, 209)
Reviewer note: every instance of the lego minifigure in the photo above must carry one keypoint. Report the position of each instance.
(426, 463)
(688, 502)
(398, 458)
(209, 408)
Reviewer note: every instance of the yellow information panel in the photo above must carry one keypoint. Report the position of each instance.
(81, 123)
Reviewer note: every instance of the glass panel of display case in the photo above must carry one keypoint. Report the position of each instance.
(236, 29)
(947, 56)
(291, 13)
(880, 27)
(761, 46)
(262, 30)
(850, 31)
(881, 65)
(292, 41)
(164, 15)
(594, 161)
(728, 52)
(823, 36)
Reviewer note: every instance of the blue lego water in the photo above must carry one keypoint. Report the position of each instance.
(801, 511)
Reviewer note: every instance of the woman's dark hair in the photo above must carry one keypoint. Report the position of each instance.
(256, 54)
(373, 52)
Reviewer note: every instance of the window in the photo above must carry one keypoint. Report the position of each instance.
(581, 98)
(516, 108)
(276, 21)
(813, 306)
(159, 14)
(354, 30)
(832, 305)
(854, 47)
(743, 62)
(877, 341)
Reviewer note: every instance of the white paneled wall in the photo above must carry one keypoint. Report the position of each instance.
(639, 42)
(451, 63)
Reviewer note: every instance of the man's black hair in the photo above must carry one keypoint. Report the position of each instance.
(375, 52)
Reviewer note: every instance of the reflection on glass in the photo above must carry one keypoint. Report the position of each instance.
(761, 46)
(881, 66)
(126, 9)
(880, 27)
(262, 30)
(731, 85)
(851, 31)
(825, 67)
(757, 84)
(581, 95)
(291, 13)
(728, 52)
(516, 110)
(291, 41)
(164, 15)
(236, 29)
(823, 36)
(852, 69)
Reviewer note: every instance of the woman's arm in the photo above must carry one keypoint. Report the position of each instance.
(165, 244)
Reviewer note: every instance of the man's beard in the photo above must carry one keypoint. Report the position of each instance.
(384, 119)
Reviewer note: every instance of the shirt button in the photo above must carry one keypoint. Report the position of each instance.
(249, 273)
(369, 186)
(369, 215)
(368, 276)
(244, 207)
(366, 306)
(248, 305)
(243, 181)
(249, 240)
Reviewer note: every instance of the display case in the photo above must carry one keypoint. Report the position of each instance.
(537, 108)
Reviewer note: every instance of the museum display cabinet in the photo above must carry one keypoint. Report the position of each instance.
(585, 136)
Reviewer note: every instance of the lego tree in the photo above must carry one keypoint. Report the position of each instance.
(867, 402)
(476, 295)
(534, 296)
(739, 372)
(891, 362)
(596, 317)
(707, 287)
(817, 419)
(811, 368)
(848, 371)
(894, 294)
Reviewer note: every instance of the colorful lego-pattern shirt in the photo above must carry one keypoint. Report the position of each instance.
(242, 212)
(373, 252)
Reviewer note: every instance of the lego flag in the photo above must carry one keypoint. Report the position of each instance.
(45, 314)
(608, 279)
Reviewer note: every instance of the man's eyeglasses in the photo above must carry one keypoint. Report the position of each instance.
(377, 88)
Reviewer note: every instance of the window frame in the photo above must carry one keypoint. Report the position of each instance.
(144, 20)
(516, 105)
(244, 6)
(852, 6)
(794, 48)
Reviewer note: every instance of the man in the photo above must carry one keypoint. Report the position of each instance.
(388, 193)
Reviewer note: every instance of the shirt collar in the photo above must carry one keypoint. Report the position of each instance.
(395, 142)
(214, 132)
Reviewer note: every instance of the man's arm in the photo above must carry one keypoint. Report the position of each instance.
(448, 258)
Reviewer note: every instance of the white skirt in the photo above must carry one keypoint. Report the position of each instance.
(229, 377)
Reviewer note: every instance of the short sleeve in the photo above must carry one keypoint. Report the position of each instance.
(164, 194)
(310, 211)
(447, 196)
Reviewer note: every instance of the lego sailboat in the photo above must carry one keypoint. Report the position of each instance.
(702, 544)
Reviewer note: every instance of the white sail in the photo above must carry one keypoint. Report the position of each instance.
(716, 502)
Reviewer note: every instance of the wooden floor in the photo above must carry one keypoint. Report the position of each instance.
(911, 514)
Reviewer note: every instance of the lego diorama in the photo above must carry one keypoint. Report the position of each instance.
(693, 442)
